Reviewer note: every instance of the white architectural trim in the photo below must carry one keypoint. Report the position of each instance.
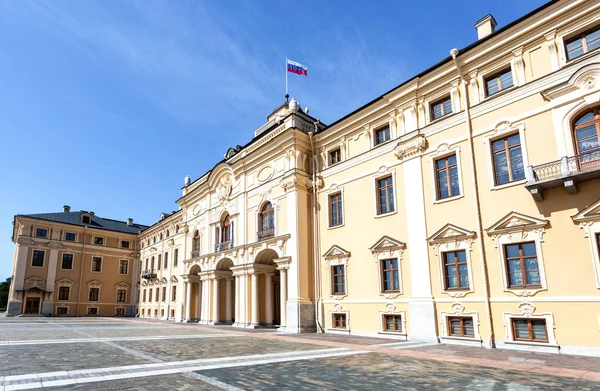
(502, 129)
(333, 190)
(526, 310)
(388, 248)
(589, 221)
(337, 309)
(337, 256)
(391, 310)
(459, 312)
(490, 71)
(444, 150)
(384, 172)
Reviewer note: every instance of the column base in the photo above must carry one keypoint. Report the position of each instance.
(253, 326)
(238, 324)
(14, 308)
(281, 328)
(422, 320)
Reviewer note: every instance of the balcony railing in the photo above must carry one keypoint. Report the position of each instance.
(195, 253)
(266, 234)
(149, 274)
(564, 172)
(224, 246)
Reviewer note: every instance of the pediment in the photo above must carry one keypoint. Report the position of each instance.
(65, 281)
(94, 282)
(515, 221)
(35, 282)
(144, 283)
(163, 280)
(122, 284)
(173, 279)
(387, 243)
(34, 279)
(450, 232)
(590, 213)
(336, 252)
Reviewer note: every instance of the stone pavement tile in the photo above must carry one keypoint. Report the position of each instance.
(178, 350)
(344, 338)
(29, 335)
(144, 332)
(17, 360)
(376, 371)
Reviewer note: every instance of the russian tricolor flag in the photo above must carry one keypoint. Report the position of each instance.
(297, 68)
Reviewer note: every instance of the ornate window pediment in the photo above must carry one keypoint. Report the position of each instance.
(65, 282)
(122, 284)
(589, 220)
(163, 280)
(35, 282)
(588, 215)
(451, 233)
(387, 244)
(336, 252)
(173, 279)
(94, 283)
(516, 223)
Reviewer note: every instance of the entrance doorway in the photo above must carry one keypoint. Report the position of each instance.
(32, 305)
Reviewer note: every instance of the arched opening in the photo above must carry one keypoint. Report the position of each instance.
(266, 222)
(586, 136)
(224, 234)
(224, 310)
(196, 244)
(195, 292)
(265, 301)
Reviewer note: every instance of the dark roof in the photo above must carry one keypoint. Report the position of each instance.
(74, 218)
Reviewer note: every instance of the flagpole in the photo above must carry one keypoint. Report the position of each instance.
(286, 78)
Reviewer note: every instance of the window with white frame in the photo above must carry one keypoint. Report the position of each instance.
(96, 264)
(583, 43)
(338, 259)
(507, 152)
(37, 258)
(41, 233)
(98, 241)
(446, 177)
(336, 210)
(67, 262)
(441, 107)
(382, 134)
(123, 266)
(385, 195)
(498, 81)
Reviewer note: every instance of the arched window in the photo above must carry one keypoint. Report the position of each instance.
(168, 233)
(154, 239)
(586, 131)
(161, 236)
(196, 243)
(152, 263)
(177, 228)
(226, 230)
(266, 228)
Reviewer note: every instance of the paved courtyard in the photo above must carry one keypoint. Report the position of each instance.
(134, 354)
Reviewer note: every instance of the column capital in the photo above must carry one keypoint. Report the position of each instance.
(283, 263)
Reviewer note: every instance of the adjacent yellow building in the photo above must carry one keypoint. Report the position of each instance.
(462, 206)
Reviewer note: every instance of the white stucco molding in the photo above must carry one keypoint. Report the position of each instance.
(453, 238)
(391, 310)
(410, 147)
(589, 221)
(518, 228)
(458, 310)
(337, 256)
(388, 248)
(528, 311)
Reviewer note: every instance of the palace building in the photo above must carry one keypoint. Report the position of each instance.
(462, 206)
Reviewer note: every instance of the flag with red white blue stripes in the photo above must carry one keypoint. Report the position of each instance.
(297, 68)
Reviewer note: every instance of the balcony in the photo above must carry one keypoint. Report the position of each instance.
(195, 254)
(566, 172)
(266, 234)
(148, 274)
(224, 246)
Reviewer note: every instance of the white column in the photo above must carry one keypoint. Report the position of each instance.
(206, 301)
(199, 304)
(237, 299)
(268, 299)
(228, 300)
(283, 295)
(188, 301)
(215, 317)
(254, 288)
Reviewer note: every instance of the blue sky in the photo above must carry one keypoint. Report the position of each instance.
(107, 105)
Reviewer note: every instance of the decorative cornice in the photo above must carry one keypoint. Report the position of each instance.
(410, 148)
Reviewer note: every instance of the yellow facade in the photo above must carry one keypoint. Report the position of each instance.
(463, 206)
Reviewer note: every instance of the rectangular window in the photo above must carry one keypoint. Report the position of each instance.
(456, 272)
(150, 295)
(461, 326)
(166, 263)
(173, 293)
(123, 266)
(159, 258)
(498, 81)
(335, 210)
(62, 310)
(385, 195)
(121, 295)
(522, 265)
(70, 236)
(164, 293)
(94, 293)
(120, 311)
(67, 262)
(38, 258)
(390, 275)
(446, 172)
(172, 313)
(98, 241)
(532, 330)
(63, 293)
(96, 264)
(144, 296)
(441, 108)
(339, 280)
(583, 43)
(339, 321)
(382, 135)
(335, 156)
(41, 233)
(92, 311)
(157, 295)
(392, 323)
(124, 243)
(175, 256)
(508, 159)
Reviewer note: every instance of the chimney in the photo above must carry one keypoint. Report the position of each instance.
(92, 213)
(66, 208)
(485, 26)
(130, 221)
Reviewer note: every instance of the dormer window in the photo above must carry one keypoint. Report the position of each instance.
(86, 219)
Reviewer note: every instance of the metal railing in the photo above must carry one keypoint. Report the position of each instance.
(566, 166)
(266, 234)
(224, 246)
(195, 253)
(148, 273)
